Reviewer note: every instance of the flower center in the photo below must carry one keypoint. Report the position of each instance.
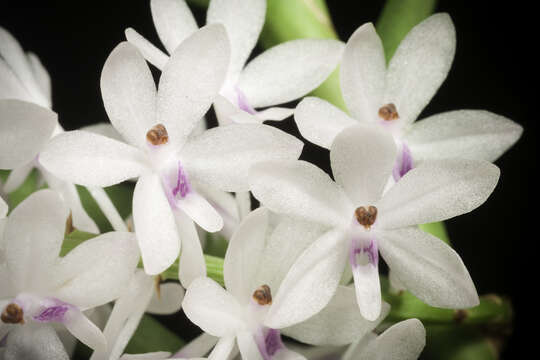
(366, 216)
(263, 295)
(157, 135)
(13, 314)
(389, 112)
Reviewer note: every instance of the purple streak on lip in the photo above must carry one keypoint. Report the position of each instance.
(3, 341)
(54, 313)
(404, 163)
(269, 343)
(182, 184)
(371, 250)
(243, 103)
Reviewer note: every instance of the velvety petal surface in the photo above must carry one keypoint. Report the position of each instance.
(151, 53)
(174, 22)
(192, 263)
(34, 342)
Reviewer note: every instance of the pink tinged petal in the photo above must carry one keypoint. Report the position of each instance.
(300, 189)
(222, 156)
(41, 75)
(96, 271)
(320, 122)
(403, 341)
(33, 236)
(212, 308)
(199, 346)
(429, 268)
(420, 65)
(244, 254)
(362, 158)
(289, 71)
(35, 342)
(155, 225)
(436, 191)
(10, 86)
(25, 128)
(17, 177)
(364, 260)
(91, 160)
(311, 282)
(169, 300)
(363, 71)
(469, 134)
(174, 22)
(251, 349)
(223, 348)
(404, 163)
(129, 93)
(243, 20)
(151, 53)
(191, 81)
(192, 265)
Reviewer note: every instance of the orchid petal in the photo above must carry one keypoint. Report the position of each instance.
(91, 160)
(469, 134)
(157, 355)
(192, 263)
(168, 301)
(201, 211)
(320, 122)
(191, 81)
(368, 290)
(199, 346)
(43, 79)
(10, 85)
(274, 114)
(174, 22)
(298, 188)
(34, 342)
(212, 308)
(225, 204)
(105, 129)
(155, 225)
(248, 347)
(362, 159)
(3, 211)
(223, 348)
(289, 71)
(363, 71)
(151, 53)
(25, 128)
(85, 330)
(17, 177)
(436, 191)
(129, 93)
(420, 65)
(428, 268)
(222, 156)
(243, 20)
(301, 294)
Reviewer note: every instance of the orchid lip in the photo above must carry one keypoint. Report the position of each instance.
(243, 103)
(358, 250)
(176, 185)
(404, 163)
(269, 342)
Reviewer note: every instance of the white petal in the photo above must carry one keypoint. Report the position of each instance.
(436, 191)
(428, 268)
(17, 177)
(402, 341)
(129, 93)
(41, 75)
(298, 188)
(339, 323)
(225, 204)
(105, 129)
(155, 225)
(191, 81)
(92, 160)
(223, 348)
(192, 263)
(362, 159)
(248, 347)
(10, 86)
(34, 342)
(420, 65)
(199, 346)
(212, 308)
(85, 330)
(311, 282)
(244, 254)
(201, 211)
(33, 237)
(168, 301)
(469, 134)
(96, 271)
(3, 210)
(363, 71)
(158, 355)
(289, 71)
(320, 122)
(368, 290)
(25, 128)
(173, 21)
(151, 53)
(222, 156)
(243, 20)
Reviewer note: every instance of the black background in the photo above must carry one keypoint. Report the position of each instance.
(494, 69)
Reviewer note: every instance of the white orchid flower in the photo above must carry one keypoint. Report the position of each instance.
(268, 293)
(168, 163)
(393, 97)
(363, 221)
(38, 288)
(279, 75)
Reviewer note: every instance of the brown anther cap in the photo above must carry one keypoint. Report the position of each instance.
(263, 295)
(366, 217)
(157, 135)
(13, 314)
(389, 112)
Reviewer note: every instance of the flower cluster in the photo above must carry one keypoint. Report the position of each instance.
(305, 264)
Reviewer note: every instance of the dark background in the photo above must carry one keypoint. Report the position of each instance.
(493, 70)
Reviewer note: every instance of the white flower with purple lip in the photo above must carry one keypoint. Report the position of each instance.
(169, 163)
(282, 74)
(39, 289)
(392, 98)
(269, 293)
(364, 221)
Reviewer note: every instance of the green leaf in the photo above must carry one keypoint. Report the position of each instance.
(151, 336)
(458, 343)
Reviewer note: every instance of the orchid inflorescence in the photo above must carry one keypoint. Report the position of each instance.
(305, 264)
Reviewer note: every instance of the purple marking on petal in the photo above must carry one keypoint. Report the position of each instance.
(269, 343)
(404, 163)
(54, 313)
(243, 103)
(182, 185)
(3, 341)
(371, 250)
